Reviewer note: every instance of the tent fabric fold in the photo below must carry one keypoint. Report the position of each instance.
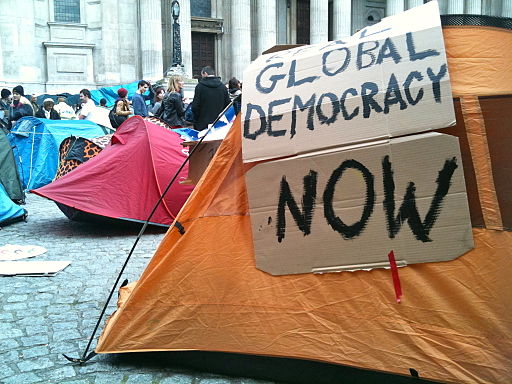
(126, 179)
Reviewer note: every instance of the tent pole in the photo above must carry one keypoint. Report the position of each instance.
(85, 357)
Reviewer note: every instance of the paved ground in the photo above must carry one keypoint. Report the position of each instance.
(43, 317)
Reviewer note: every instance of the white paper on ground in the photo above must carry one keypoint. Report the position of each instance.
(16, 252)
(32, 268)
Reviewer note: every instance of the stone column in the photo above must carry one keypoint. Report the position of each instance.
(455, 7)
(341, 19)
(186, 37)
(474, 7)
(358, 12)
(151, 39)
(240, 37)
(266, 17)
(414, 3)
(318, 26)
(394, 6)
(506, 8)
(109, 56)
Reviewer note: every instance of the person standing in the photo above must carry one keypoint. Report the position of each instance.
(139, 99)
(210, 98)
(174, 109)
(121, 110)
(235, 89)
(5, 106)
(64, 110)
(159, 96)
(21, 107)
(47, 111)
(88, 106)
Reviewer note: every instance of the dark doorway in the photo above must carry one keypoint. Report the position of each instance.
(302, 21)
(203, 52)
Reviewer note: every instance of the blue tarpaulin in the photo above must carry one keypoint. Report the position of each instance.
(9, 212)
(110, 93)
(36, 144)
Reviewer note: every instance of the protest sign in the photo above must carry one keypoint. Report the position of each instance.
(387, 80)
(346, 209)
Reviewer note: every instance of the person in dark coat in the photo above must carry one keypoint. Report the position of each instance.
(174, 109)
(47, 111)
(210, 98)
(21, 107)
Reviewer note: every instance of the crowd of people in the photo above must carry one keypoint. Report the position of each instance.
(211, 96)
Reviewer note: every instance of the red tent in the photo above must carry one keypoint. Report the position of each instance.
(126, 179)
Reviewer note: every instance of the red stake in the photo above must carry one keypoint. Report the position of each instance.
(394, 273)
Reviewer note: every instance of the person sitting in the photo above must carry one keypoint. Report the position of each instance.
(47, 111)
(174, 110)
(103, 103)
(21, 107)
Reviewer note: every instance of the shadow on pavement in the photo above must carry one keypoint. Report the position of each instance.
(282, 370)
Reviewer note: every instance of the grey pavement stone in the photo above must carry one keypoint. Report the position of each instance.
(68, 334)
(177, 379)
(9, 357)
(139, 379)
(24, 378)
(34, 340)
(35, 352)
(109, 378)
(36, 330)
(59, 374)
(215, 380)
(32, 365)
(8, 344)
(17, 298)
(6, 371)
(6, 316)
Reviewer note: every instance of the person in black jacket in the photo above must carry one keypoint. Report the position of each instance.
(47, 111)
(173, 108)
(21, 107)
(210, 98)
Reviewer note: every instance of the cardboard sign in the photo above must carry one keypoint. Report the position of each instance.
(388, 80)
(337, 210)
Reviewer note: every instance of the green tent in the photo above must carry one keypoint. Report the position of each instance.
(9, 177)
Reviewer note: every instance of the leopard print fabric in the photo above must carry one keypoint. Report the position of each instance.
(91, 147)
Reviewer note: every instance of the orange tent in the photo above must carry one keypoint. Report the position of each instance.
(202, 290)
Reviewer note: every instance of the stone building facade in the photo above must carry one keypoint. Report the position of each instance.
(66, 45)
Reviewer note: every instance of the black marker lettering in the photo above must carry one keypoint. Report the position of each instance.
(272, 117)
(302, 219)
(388, 49)
(407, 84)
(274, 78)
(366, 52)
(413, 55)
(354, 230)
(343, 97)
(435, 79)
(341, 68)
(291, 77)
(335, 108)
(297, 103)
(408, 210)
(247, 117)
(393, 95)
(368, 102)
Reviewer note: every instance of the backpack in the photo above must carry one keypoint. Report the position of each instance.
(116, 120)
